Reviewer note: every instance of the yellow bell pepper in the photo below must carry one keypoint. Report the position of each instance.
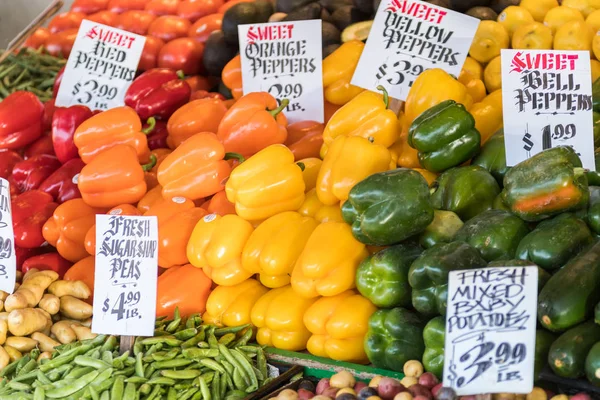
(312, 207)
(328, 263)
(338, 325)
(488, 115)
(431, 88)
(216, 246)
(232, 305)
(429, 176)
(367, 115)
(338, 68)
(266, 184)
(275, 245)
(278, 315)
(311, 171)
(350, 159)
(471, 69)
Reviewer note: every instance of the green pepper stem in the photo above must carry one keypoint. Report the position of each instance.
(151, 125)
(151, 164)
(301, 165)
(234, 156)
(284, 104)
(578, 171)
(386, 96)
(180, 74)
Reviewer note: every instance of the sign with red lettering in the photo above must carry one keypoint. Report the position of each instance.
(284, 59)
(100, 68)
(409, 37)
(547, 102)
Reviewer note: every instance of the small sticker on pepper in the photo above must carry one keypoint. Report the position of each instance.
(178, 200)
(210, 217)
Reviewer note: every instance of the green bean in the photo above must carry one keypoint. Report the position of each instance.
(86, 361)
(204, 389)
(178, 362)
(184, 374)
(116, 392)
(72, 387)
(129, 392)
(196, 353)
(231, 329)
(186, 334)
(139, 366)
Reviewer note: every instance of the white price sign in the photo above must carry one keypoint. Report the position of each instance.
(409, 37)
(285, 60)
(8, 258)
(490, 330)
(101, 67)
(547, 102)
(126, 275)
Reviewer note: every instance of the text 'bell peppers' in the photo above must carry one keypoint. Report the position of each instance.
(232, 77)
(68, 226)
(197, 116)
(320, 271)
(253, 123)
(29, 174)
(445, 136)
(216, 246)
(279, 315)
(275, 245)
(157, 93)
(232, 305)
(117, 126)
(338, 69)
(304, 139)
(64, 124)
(184, 287)
(428, 275)
(388, 207)
(395, 336)
(47, 262)
(196, 169)
(113, 177)
(61, 185)
(549, 183)
(266, 184)
(350, 159)
(367, 115)
(338, 325)
(30, 211)
(21, 120)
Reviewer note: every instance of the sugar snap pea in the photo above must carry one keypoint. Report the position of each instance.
(86, 361)
(116, 392)
(178, 362)
(183, 374)
(71, 388)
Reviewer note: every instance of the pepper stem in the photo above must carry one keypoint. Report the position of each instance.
(284, 104)
(180, 74)
(151, 125)
(234, 156)
(386, 96)
(151, 164)
(301, 165)
(579, 171)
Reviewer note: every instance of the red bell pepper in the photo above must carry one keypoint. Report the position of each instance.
(29, 174)
(21, 120)
(157, 136)
(23, 254)
(60, 184)
(64, 124)
(41, 146)
(30, 211)
(8, 159)
(49, 108)
(204, 94)
(57, 81)
(47, 262)
(158, 93)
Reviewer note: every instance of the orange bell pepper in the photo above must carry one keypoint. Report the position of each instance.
(160, 154)
(202, 115)
(305, 139)
(67, 227)
(110, 128)
(90, 237)
(150, 198)
(232, 77)
(253, 123)
(184, 287)
(84, 270)
(196, 169)
(113, 177)
(218, 204)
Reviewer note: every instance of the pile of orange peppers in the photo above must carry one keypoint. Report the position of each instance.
(249, 206)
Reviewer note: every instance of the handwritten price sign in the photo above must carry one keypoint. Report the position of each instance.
(126, 275)
(490, 330)
(8, 259)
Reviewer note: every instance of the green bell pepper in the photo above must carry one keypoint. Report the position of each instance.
(388, 207)
(434, 336)
(543, 275)
(554, 242)
(394, 337)
(467, 191)
(596, 116)
(593, 177)
(549, 183)
(495, 233)
(593, 212)
(383, 277)
(445, 136)
(428, 275)
(492, 157)
(596, 95)
(498, 204)
(442, 230)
